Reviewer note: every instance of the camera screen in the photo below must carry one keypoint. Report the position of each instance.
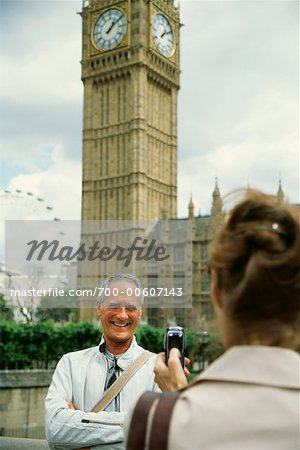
(175, 341)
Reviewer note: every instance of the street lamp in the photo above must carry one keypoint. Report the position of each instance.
(203, 338)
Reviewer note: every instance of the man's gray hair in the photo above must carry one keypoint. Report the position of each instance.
(121, 276)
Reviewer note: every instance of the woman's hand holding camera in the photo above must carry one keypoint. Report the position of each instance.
(171, 377)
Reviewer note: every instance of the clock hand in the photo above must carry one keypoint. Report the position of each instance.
(113, 24)
(111, 27)
(164, 33)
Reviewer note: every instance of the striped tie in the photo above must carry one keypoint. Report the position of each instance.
(113, 375)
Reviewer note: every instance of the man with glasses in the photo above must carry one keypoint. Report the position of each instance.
(82, 378)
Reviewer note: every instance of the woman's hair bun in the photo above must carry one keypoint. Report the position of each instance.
(257, 259)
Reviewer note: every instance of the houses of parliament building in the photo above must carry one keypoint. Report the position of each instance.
(131, 77)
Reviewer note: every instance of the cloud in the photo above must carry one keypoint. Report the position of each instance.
(55, 185)
(59, 187)
(258, 149)
(40, 88)
(45, 77)
(38, 59)
(238, 103)
(239, 98)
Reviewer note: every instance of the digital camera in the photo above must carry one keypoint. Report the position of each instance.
(174, 337)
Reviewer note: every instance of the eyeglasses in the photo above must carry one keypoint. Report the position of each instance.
(128, 306)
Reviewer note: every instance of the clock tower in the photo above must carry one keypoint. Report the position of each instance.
(130, 73)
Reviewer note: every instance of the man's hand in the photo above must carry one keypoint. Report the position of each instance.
(171, 377)
(72, 406)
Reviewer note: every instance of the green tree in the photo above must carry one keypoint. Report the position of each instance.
(214, 348)
(150, 338)
(6, 313)
(57, 309)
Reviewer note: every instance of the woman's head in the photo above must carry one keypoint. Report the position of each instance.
(256, 262)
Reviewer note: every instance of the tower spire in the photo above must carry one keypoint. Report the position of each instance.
(280, 193)
(216, 209)
(191, 207)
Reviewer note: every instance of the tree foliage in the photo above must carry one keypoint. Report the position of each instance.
(6, 313)
(214, 347)
(41, 345)
(58, 309)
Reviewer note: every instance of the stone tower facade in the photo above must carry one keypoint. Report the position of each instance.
(130, 72)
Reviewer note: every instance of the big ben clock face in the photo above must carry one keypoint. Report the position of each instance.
(163, 35)
(109, 29)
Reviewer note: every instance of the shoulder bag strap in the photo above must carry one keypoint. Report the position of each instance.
(150, 422)
(139, 420)
(159, 434)
(122, 380)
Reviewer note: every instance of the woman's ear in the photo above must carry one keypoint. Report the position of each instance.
(216, 292)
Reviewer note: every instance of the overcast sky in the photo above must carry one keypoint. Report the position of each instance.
(238, 103)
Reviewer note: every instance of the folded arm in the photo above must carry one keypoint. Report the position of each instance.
(70, 428)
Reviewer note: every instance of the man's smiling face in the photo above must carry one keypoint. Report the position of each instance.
(119, 313)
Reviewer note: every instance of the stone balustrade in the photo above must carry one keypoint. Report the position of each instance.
(10, 443)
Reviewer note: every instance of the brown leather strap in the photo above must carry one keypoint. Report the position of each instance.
(138, 423)
(150, 422)
(161, 421)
